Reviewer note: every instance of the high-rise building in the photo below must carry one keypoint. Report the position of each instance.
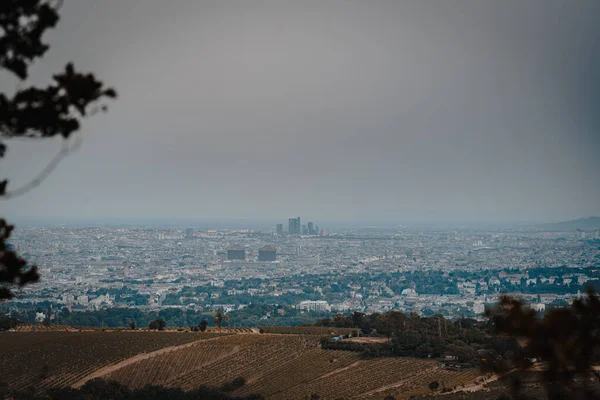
(294, 227)
(279, 229)
(267, 253)
(311, 228)
(189, 233)
(236, 253)
(304, 230)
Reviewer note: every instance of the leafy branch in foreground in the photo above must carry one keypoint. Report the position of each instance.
(566, 339)
(33, 112)
(13, 269)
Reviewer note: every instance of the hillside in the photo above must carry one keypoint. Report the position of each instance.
(42, 360)
(585, 224)
(275, 366)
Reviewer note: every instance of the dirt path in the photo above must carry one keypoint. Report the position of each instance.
(472, 387)
(390, 386)
(138, 357)
(337, 371)
(366, 339)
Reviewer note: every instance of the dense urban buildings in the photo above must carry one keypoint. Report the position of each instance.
(456, 272)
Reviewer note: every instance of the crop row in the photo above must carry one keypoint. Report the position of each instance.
(252, 361)
(178, 362)
(303, 369)
(42, 360)
(362, 377)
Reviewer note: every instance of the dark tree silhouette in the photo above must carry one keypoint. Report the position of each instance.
(36, 112)
(157, 324)
(235, 384)
(433, 386)
(567, 339)
(203, 325)
(98, 389)
(218, 319)
(47, 320)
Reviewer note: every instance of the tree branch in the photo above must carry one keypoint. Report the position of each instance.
(65, 150)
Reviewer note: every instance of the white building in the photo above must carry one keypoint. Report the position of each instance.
(68, 298)
(310, 305)
(539, 307)
(479, 307)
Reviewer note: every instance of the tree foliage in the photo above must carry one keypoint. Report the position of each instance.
(36, 112)
(157, 324)
(202, 326)
(433, 385)
(567, 339)
(423, 337)
(97, 389)
(219, 318)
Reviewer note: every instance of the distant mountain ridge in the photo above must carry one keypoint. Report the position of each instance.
(589, 223)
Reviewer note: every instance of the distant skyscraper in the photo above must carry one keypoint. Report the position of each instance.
(294, 227)
(189, 233)
(304, 230)
(311, 228)
(279, 229)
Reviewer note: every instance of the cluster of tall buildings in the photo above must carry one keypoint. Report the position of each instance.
(595, 234)
(295, 227)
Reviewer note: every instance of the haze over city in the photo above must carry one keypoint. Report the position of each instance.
(340, 110)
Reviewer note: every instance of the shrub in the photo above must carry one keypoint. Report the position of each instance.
(233, 385)
(433, 386)
(157, 324)
(203, 325)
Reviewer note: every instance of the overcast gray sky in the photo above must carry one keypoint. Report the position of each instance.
(353, 110)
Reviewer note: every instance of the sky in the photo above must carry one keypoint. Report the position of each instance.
(416, 110)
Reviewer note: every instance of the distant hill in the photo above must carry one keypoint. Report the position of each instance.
(585, 224)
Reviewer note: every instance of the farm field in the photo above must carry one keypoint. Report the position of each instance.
(276, 366)
(42, 360)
